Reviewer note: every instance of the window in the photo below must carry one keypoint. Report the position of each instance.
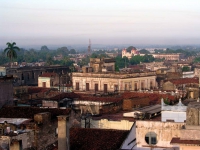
(96, 87)
(44, 84)
(151, 85)
(105, 88)
(87, 87)
(28, 76)
(142, 86)
(33, 75)
(77, 85)
(125, 88)
(135, 86)
(151, 138)
(115, 87)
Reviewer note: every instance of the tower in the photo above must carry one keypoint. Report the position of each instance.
(89, 47)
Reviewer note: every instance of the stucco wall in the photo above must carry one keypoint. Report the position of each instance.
(123, 83)
(109, 124)
(176, 116)
(44, 79)
(6, 93)
(164, 130)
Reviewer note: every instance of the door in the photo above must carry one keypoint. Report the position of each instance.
(105, 88)
(116, 88)
(136, 87)
(44, 84)
(96, 87)
(87, 87)
(77, 85)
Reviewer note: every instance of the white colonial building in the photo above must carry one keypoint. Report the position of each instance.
(111, 82)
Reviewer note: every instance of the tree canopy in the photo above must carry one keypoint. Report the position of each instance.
(130, 48)
(11, 51)
(144, 51)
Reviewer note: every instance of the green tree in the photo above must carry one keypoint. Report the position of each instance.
(72, 51)
(11, 51)
(49, 60)
(136, 59)
(130, 48)
(144, 51)
(185, 69)
(121, 62)
(44, 48)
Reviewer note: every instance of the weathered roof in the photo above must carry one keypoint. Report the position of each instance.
(184, 142)
(185, 81)
(94, 139)
(29, 112)
(101, 99)
(98, 139)
(150, 109)
(47, 74)
(16, 121)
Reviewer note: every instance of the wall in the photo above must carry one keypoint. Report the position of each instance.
(164, 130)
(189, 147)
(50, 104)
(6, 92)
(168, 86)
(176, 116)
(109, 124)
(123, 81)
(44, 79)
(129, 104)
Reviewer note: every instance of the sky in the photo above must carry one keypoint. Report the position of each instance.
(113, 22)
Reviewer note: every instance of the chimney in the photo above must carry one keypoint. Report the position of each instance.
(62, 132)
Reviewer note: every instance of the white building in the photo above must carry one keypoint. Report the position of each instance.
(176, 113)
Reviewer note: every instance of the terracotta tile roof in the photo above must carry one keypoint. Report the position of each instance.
(48, 74)
(37, 90)
(184, 142)
(153, 97)
(101, 99)
(29, 112)
(96, 139)
(70, 95)
(185, 81)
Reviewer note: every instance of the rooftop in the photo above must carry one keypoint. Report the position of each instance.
(15, 121)
(98, 139)
(29, 112)
(184, 142)
(185, 81)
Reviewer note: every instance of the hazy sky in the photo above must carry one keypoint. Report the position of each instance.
(65, 22)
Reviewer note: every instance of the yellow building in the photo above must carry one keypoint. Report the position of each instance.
(110, 82)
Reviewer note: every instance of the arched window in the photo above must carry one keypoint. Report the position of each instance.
(151, 138)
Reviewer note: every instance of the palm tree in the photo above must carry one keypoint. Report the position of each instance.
(11, 51)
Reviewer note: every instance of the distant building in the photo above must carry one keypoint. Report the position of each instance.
(174, 56)
(100, 76)
(130, 54)
(110, 82)
(29, 75)
(54, 80)
(6, 90)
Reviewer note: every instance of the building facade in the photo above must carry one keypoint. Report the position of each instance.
(175, 57)
(6, 90)
(111, 82)
(29, 75)
(130, 54)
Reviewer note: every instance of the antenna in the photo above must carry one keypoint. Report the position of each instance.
(125, 62)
